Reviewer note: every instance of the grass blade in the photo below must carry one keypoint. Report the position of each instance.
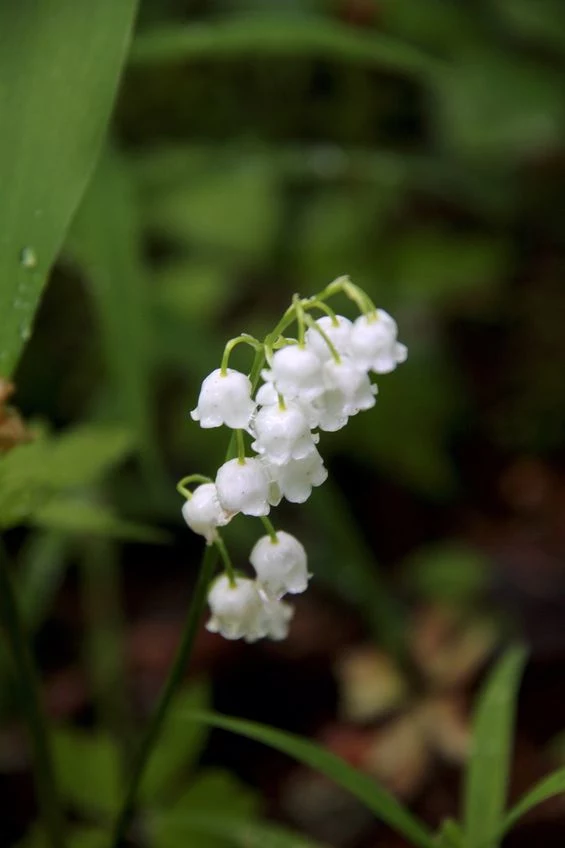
(488, 770)
(364, 788)
(553, 784)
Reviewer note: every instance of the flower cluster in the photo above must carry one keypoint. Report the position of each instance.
(312, 383)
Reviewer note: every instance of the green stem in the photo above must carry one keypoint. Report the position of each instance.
(269, 527)
(228, 565)
(26, 676)
(186, 646)
(300, 318)
(323, 307)
(243, 339)
(240, 446)
(311, 323)
(191, 478)
(174, 680)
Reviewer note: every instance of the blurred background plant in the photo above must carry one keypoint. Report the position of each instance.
(257, 149)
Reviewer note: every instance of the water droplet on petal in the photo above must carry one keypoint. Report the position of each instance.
(28, 257)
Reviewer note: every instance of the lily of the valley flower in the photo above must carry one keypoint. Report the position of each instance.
(203, 512)
(243, 486)
(224, 399)
(281, 564)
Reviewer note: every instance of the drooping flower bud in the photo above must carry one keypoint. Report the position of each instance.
(296, 372)
(373, 343)
(281, 565)
(203, 512)
(237, 610)
(224, 399)
(244, 487)
(283, 433)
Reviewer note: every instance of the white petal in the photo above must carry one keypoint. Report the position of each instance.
(224, 399)
(243, 487)
(281, 566)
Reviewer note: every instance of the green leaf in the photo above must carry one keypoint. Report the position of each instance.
(213, 789)
(71, 515)
(179, 746)
(87, 767)
(361, 582)
(535, 20)
(194, 290)
(106, 241)
(553, 784)
(431, 265)
(60, 61)
(278, 35)
(87, 837)
(439, 25)
(424, 389)
(448, 572)
(365, 789)
(230, 208)
(450, 835)
(178, 829)
(494, 106)
(42, 564)
(37, 471)
(486, 779)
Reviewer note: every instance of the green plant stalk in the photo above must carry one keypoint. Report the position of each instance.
(26, 676)
(183, 656)
(173, 682)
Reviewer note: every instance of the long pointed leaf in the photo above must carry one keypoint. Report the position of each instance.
(105, 239)
(282, 35)
(378, 800)
(60, 62)
(488, 770)
(553, 784)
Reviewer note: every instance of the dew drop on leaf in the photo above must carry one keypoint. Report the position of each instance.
(28, 257)
(25, 332)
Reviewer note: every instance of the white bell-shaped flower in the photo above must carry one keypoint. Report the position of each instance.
(373, 343)
(224, 399)
(295, 480)
(266, 394)
(274, 620)
(244, 486)
(354, 386)
(237, 610)
(338, 333)
(203, 512)
(282, 433)
(348, 391)
(281, 565)
(295, 372)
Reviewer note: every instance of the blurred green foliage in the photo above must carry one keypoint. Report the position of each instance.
(257, 149)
